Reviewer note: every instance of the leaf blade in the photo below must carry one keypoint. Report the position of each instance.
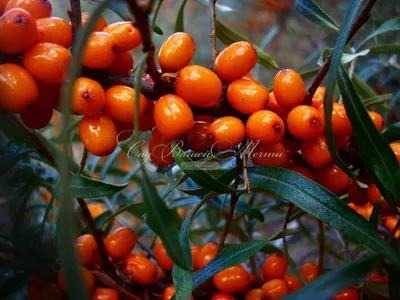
(85, 187)
(314, 13)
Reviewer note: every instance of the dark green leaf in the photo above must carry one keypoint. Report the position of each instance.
(377, 100)
(374, 219)
(314, 13)
(394, 279)
(85, 187)
(386, 48)
(362, 87)
(13, 285)
(392, 133)
(179, 23)
(391, 25)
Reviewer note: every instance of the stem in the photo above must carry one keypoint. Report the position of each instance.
(213, 38)
(83, 160)
(321, 246)
(287, 220)
(75, 15)
(245, 173)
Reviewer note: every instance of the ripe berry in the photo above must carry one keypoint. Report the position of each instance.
(265, 126)
(47, 62)
(36, 116)
(373, 196)
(207, 254)
(332, 178)
(255, 294)
(269, 155)
(195, 256)
(162, 257)
(275, 289)
(127, 36)
(54, 30)
(274, 266)
(197, 139)
(226, 132)
(85, 254)
(160, 149)
(100, 25)
(176, 52)
(169, 292)
(396, 149)
(173, 116)
(100, 293)
(347, 294)
(88, 96)
(17, 31)
(247, 96)
(206, 83)
(305, 171)
(231, 280)
(120, 242)
(309, 271)
(357, 195)
(18, 89)
(88, 277)
(122, 65)
(36, 8)
(99, 134)
(378, 277)
(305, 122)
(100, 50)
(390, 222)
(274, 106)
(377, 119)
(342, 141)
(141, 269)
(222, 296)
(316, 152)
(340, 122)
(289, 88)
(235, 61)
(88, 240)
(3, 4)
(119, 103)
(293, 282)
(318, 98)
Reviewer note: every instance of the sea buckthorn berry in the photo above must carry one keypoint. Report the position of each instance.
(305, 171)
(226, 132)
(3, 4)
(47, 62)
(293, 282)
(197, 139)
(162, 258)
(147, 120)
(87, 239)
(18, 88)
(205, 82)
(88, 96)
(275, 289)
(160, 149)
(195, 250)
(141, 269)
(176, 52)
(396, 149)
(357, 195)
(120, 242)
(231, 280)
(332, 178)
(342, 141)
(36, 116)
(100, 50)
(173, 116)
(235, 61)
(85, 254)
(319, 96)
(377, 119)
(122, 65)
(88, 278)
(255, 294)
(373, 196)
(222, 296)
(96, 209)
(119, 103)
(269, 155)
(54, 30)
(207, 254)
(100, 25)
(340, 122)
(127, 36)
(378, 277)
(247, 96)
(36, 8)
(274, 106)
(309, 271)
(169, 292)
(100, 293)
(390, 223)
(347, 294)
(17, 31)
(265, 126)
(316, 152)
(305, 122)
(289, 89)
(274, 266)
(99, 134)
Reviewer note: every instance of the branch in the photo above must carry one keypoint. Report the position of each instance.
(213, 38)
(109, 282)
(75, 15)
(285, 225)
(83, 160)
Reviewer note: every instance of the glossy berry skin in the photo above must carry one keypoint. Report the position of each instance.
(141, 269)
(373, 195)
(162, 258)
(318, 98)
(122, 65)
(342, 141)
(207, 254)
(274, 106)
(275, 289)
(269, 155)
(100, 293)
(119, 103)
(265, 126)
(3, 4)
(222, 296)
(160, 149)
(100, 51)
(274, 266)
(176, 52)
(226, 132)
(195, 250)
(173, 116)
(332, 178)
(255, 294)
(235, 61)
(88, 96)
(197, 139)
(47, 62)
(206, 83)
(88, 277)
(87, 240)
(305, 122)
(289, 89)
(316, 152)
(396, 149)
(85, 254)
(17, 31)
(36, 116)
(340, 122)
(18, 88)
(36, 8)
(309, 271)
(377, 119)
(127, 36)
(99, 134)
(169, 292)
(347, 294)
(54, 30)
(247, 96)
(100, 25)
(232, 280)
(120, 242)
(357, 195)
(293, 282)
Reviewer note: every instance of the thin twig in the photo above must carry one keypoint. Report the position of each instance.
(321, 246)
(285, 225)
(75, 15)
(83, 160)
(245, 173)
(109, 282)
(213, 33)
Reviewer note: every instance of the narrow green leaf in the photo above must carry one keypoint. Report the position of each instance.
(309, 74)
(374, 219)
(392, 133)
(391, 25)
(362, 87)
(394, 279)
(386, 48)
(377, 100)
(86, 187)
(314, 13)
(179, 23)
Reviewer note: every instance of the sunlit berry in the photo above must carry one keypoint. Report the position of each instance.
(54, 30)
(377, 119)
(274, 106)
(162, 258)
(255, 294)
(222, 296)
(169, 292)
(347, 294)
(396, 149)
(88, 96)
(127, 36)
(316, 152)
(289, 89)
(100, 25)
(293, 282)
(309, 271)
(341, 125)
(231, 280)
(265, 126)
(373, 196)
(274, 266)
(226, 132)
(100, 50)
(207, 254)
(275, 289)
(305, 122)
(36, 8)
(332, 178)
(120, 242)
(141, 269)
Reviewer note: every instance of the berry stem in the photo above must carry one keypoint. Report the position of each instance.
(213, 33)
(75, 15)
(83, 160)
(109, 282)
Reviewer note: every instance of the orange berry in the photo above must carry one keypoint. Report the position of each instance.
(222, 296)
(100, 50)
(396, 149)
(169, 292)
(274, 266)
(195, 256)
(235, 61)
(340, 122)
(390, 222)
(160, 149)
(88, 277)
(207, 254)
(35, 285)
(47, 62)
(100, 25)
(373, 196)
(378, 277)
(255, 294)
(127, 36)
(147, 120)
(88, 96)
(122, 64)
(141, 269)
(176, 52)
(173, 116)
(269, 155)
(316, 152)
(226, 132)
(377, 119)
(205, 82)
(18, 89)
(231, 280)
(357, 195)
(293, 282)
(3, 4)
(100, 293)
(347, 294)
(85, 254)
(332, 178)
(88, 240)
(265, 126)
(36, 116)
(162, 257)
(120, 242)
(305, 122)
(197, 139)
(342, 141)
(309, 271)
(289, 89)
(17, 31)
(319, 96)
(36, 8)
(275, 289)
(274, 106)
(54, 30)
(305, 171)
(119, 103)
(247, 96)
(99, 134)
